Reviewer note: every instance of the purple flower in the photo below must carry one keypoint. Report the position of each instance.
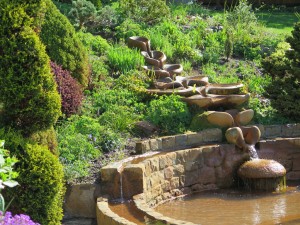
(21, 219)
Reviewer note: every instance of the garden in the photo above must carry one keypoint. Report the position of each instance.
(73, 94)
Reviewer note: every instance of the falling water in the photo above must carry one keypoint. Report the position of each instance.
(120, 170)
(252, 152)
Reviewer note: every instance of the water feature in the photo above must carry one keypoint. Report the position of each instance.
(232, 206)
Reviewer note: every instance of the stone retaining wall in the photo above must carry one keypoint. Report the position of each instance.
(194, 139)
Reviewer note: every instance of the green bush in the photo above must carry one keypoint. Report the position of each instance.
(46, 138)
(95, 44)
(120, 118)
(148, 11)
(82, 13)
(122, 59)
(294, 53)
(277, 64)
(62, 44)
(169, 113)
(130, 28)
(28, 93)
(79, 143)
(284, 94)
(41, 190)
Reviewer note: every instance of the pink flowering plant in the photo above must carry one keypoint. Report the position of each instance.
(7, 176)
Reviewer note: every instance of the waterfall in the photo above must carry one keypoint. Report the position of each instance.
(120, 170)
(252, 152)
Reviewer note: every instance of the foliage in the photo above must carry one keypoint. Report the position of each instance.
(41, 190)
(277, 64)
(242, 16)
(122, 59)
(46, 138)
(130, 28)
(29, 98)
(62, 44)
(69, 90)
(147, 11)
(79, 141)
(264, 112)
(120, 118)
(7, 175)
(107, 20)
(169, 113)
(82, 12)
(9, 219)
(82, 139)
(95, 44)
(294, 53)
(284, 94)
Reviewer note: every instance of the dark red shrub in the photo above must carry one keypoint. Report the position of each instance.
(69, 90)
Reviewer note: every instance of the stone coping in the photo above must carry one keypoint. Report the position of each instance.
(107, 217)
(214, 135)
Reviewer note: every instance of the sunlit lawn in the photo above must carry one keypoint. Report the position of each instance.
(279, 22)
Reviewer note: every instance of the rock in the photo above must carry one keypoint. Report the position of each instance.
(244, 117)
(146, 129)
(261, 168)
(222, 119)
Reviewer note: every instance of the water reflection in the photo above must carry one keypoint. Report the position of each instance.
(230, 207)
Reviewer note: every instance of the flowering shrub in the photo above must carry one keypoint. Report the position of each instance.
(69, 90)
(21, 219)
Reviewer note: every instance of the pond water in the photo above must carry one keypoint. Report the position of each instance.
(232, 207)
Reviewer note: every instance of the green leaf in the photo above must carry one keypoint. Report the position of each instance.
(10, 183)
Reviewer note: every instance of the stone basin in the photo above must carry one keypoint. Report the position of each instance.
(156, 71)
(222, 89)
(217, 100)
(158, 58)
(198, 80)
(185, 92)
(261, 168)
(173, 69)
(141, 43)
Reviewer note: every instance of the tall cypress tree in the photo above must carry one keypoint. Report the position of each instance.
(28, 96)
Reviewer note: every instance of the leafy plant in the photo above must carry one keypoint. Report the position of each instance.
(82, 12)
(29, 98)
(79, 142)
(7, 175)
(148, 11)
(95, 44)
(122, 59)
(41, 190)
(277, 64)
(69, 90)
(294, 53)
(169, 113)
(62, 44)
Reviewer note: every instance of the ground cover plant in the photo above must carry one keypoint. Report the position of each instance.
(100, 87)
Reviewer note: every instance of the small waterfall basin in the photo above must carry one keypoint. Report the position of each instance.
(235, 206)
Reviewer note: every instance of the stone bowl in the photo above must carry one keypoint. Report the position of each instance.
(156, 71)
(173, 69)
(261, 168)
(158, 58)
(142, 43)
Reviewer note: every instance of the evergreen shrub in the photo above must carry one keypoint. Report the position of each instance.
(28, 93)
(69, 90)
(41, 190)
(62, 44)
